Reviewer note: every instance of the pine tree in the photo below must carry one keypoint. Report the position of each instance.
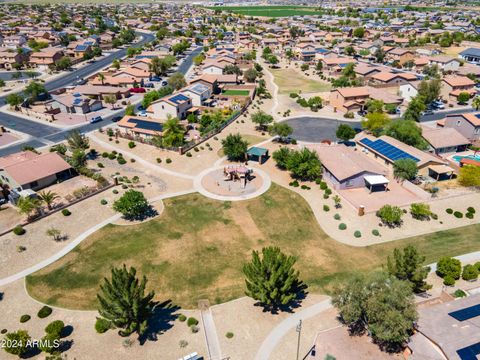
(272, 280)
(122, 301)
(407, 265)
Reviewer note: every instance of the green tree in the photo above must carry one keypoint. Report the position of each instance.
(272, 279)
(77, 141)
(123, 302)
(379, 55)
(469, 175)
(359, 32)
(376, 122)
(345, 132)
(420, 211)
(173, 133)
(448, 266)
(130, 110)
(132, 205)
(116, 64)
(281, 157)
(463, 97)
(262, 119)
(177, 81)
(110, 99)
(415, 109)
(281, 129)
(48, 197)
(390, 215)
(476, 103)
(304, 164)
(63, 63)
(405, 169)
(429, 90)
(408, 265)
(28, 206)
(54, 233)
(408, 132)
(379, 303)
(235, 147)
(14, 100)
(33, 90)
(375, 106)
(78, 159)
(17, 342)
(470, 272)
(250, 75)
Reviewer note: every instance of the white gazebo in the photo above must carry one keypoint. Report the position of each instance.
(372, 181)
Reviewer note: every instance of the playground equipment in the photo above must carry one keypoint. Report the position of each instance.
(237, 173)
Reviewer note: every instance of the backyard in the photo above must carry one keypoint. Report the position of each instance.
(289, 80)
(197, 247)
(235, 92)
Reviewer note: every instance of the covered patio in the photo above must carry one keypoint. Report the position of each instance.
(257, 154)
(440, 172)
(376, 183)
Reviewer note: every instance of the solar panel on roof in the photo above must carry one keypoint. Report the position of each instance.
(389, 151)
(178, 98)
(469, 352)
(146, 125)
(467, 313)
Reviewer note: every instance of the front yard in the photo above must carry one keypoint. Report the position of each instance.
(197, 247)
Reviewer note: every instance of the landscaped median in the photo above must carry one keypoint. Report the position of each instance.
(196, 249)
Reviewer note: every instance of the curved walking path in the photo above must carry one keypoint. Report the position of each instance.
(77, 241)
(276, 335)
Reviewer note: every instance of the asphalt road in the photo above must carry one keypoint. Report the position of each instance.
(317, 129)
(45, 134)
(9, 75)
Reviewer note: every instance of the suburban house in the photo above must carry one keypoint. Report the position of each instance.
(208, 79)
(199, 93)
(391, 79)
(349, 99)
(100, 91)
(444, 140)
(140, 126)
(175, 105)
(9, 58)
(387, 150)
(45, 58)
(345, 168)
(75, 103)
(409, 90)
(452, 86)
(213, 68)
(445, 63)
(28, 170)
(471, 55)
(401, 55)
(466, 124)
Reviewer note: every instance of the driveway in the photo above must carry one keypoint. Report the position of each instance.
(315, 129)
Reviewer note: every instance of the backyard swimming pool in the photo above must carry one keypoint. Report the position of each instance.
(458, 158)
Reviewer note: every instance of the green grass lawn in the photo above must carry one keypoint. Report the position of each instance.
(236, 92)
(289, 80)
(197, 247)
(270, 11)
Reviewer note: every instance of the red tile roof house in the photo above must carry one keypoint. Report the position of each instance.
(452, 86)
(28, 170)
(45, 58)
(466, 124)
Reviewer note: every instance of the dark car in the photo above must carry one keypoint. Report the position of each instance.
(116, 118)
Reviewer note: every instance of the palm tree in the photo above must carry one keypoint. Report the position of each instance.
(101, 77)
(476, 103)
(28, 206)
(48, 197)
(173, 133)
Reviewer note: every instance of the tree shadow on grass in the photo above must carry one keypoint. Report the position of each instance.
(161, 321)
(290, 307)
(149, 213)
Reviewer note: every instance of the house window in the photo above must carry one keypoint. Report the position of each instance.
(458, 122)
(477, 130)
(348, 183)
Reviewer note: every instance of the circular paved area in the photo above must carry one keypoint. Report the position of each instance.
(316, 129)
(211, 183)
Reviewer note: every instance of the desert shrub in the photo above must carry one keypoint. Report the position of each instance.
(477, 265)
(168, 161)
(375, 232)
(390, 215)
(323, 185)
(192, 321)
(66, 212)
(100, 165)
(188, 154)
(44, 312)
(131, 144)
(182, 317)
(18, 230)
(103, 202)
(458, 214)
(337, 217)
(294, 183)
(469, 215)
(326, 208)
(328, 191)
(448, 266)
(420, 211)
(55, 328)
(102, 325)
(160, 160)
(195, 329)
(357, 234)
(326, 196)
(471, 210)
(434, 216)
(470, 272)
(342, 226)
(105, 154)
(121, 160)
(115, 191)
(24, 318)
(449, 211)
(459, 293)
(112, 156)
(448, 280)
(229, 335)
(4, 331)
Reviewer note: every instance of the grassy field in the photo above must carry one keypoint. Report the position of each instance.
(197, 247)
(289, 81)
(270, 11)
(236, 92)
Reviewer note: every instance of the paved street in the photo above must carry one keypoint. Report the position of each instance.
(44, 134)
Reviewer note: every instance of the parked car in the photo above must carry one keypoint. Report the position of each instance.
(164, 83)
(155, 78)
(142, 113)
(426, 112)
(79, 82)
(116, 119)
(95, 119)
(149, 85)
(138, 90)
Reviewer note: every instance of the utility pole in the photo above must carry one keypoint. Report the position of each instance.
(299, 331)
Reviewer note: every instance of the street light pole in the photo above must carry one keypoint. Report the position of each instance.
(299, 331)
